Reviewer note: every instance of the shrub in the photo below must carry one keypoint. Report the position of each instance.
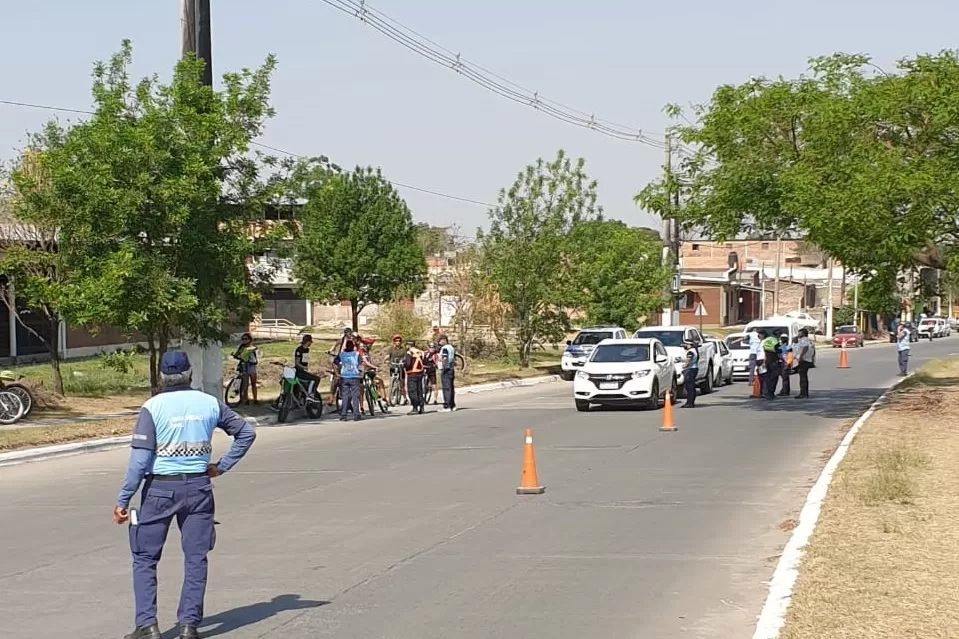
(400, 319)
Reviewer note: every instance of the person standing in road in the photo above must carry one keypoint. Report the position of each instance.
(690, 372)
(348, 370)
(902, 347)
(786, 357)
(773, 370)
(755, 350)
(414, 366)
(806, 352)
(396, 356)
(246, 354)
(447, 366)
(170, 454)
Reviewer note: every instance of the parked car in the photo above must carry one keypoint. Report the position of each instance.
(725, 360)
(848, 336)
(625, 372)
(738, 346)
(929, 327)
(672, 338)
(805, 320)
(578, 349)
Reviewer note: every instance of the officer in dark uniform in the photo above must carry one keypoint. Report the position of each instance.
(414, 366)
(171, 452)
(690, 372)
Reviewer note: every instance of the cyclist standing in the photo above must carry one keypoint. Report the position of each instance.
(246, 353)
(369, 368)
(397, 353)
(413, 365)
(301, 363)
(431, 361)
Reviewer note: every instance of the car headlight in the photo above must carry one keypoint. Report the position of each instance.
(639, 374)
(582, 375)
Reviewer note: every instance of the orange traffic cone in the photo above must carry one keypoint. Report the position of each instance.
(530, 484)
(668, 425)
(843, 359)
(757, 386)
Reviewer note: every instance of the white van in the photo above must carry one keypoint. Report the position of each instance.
(779, 326)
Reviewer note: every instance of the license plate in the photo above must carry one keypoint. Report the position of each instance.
(739, 368)
(608, 386)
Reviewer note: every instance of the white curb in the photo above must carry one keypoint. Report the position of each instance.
(43, 453)
(773, 615)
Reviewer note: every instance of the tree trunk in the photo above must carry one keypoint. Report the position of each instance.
(355, 314)
(54, 346)
(154, 365)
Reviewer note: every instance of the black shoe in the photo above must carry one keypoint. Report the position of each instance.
(189, 632)
(413, 412)
(342, 419)
(802, 396)
(357, 418)
(421, 411)
(688, 406)
(145, 632)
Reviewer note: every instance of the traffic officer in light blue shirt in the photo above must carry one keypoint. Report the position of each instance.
(171, 453)
(690, 373)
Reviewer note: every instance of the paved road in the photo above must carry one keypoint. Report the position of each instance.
(409, 528)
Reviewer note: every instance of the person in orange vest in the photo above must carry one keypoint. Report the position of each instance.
(414, 365)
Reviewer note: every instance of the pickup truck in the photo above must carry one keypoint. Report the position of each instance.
(672, 338)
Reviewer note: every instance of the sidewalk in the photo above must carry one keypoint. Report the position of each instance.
(884, 559)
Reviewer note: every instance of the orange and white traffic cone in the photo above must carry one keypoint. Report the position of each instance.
(530, 483)
(757, 386)
(668, 425)
(843, 358)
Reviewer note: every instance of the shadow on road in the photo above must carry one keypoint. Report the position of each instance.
(230, 620)
(827, 403)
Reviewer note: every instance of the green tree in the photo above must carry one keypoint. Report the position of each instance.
(860, 162)
(357, 241)
(153, 198)
(527, 255)
(620, 272)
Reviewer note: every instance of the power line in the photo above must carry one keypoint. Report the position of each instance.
(442, 56)
(46, 107)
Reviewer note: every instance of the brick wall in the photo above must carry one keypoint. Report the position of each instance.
(791, 297)
(710, 296)
(708, 255)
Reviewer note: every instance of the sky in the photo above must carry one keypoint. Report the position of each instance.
(344, 90)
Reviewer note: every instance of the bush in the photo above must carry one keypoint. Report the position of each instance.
(119, 361)
(843, 316)
(400, 319)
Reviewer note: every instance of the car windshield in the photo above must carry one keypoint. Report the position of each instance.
(621, 353)
(737, 342)
(770, 330)
(668, 338)
(928, 322)
(591, 338)
(846, 330)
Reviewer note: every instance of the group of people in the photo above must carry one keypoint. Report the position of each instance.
(772, 360)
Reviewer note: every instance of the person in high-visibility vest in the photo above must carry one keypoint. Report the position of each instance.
(773, 370)
(414, 365)
(786, 352)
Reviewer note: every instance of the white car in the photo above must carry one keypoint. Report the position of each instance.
(725, 358)
(672, 338)
(738, 347)
(578, 349)
(805, 320)
(625, 372)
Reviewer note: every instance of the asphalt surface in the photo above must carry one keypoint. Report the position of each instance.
(409, 528)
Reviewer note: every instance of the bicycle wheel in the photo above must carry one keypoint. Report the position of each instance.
(396, 393)
(370, 403)
(11, 408)
(459, 363)
(23, 392)
(233, 394)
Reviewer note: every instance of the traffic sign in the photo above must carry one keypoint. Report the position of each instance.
(701, 310)
(676, 283)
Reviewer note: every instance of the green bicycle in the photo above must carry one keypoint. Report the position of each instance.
(372, 396)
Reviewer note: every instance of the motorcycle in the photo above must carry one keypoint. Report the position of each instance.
(293, 397)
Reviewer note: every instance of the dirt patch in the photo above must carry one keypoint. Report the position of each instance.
(788, 525)
(18, 438)
(884, 560)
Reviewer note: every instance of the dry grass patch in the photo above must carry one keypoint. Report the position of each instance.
(884, 560)
(20, 438)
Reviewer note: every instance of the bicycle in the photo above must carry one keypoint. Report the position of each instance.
(11, 407)
(396, 383)
(236, 387)
(18, 389)
(373, 398)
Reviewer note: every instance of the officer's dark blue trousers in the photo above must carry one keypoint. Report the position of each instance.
(689, 385)
(190, 502)
(448, 380)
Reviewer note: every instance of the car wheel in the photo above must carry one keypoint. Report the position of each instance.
(582, 406)
(673, 393)
(653, 403)
(567, 376)
(707, 386)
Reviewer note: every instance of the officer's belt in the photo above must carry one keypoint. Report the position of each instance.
(180, 477)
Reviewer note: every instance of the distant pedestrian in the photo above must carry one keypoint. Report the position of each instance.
(806, 352)
(786, 357)
(170, 453)
(348, 369)
(690, 373)
(447, 366)
(902, 348)
(414, 367)
(755, 351)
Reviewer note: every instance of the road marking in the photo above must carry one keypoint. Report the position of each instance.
(773, 615)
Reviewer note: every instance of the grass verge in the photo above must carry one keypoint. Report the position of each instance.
(884, 560)
(19, 438)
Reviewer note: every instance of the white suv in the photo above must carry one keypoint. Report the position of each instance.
(625, 372)
(578, 349)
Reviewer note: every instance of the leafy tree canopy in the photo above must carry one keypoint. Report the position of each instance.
(357, 241)
(860, 161)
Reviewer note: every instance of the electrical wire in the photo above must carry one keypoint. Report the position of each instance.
(458, 198)
(442, 56)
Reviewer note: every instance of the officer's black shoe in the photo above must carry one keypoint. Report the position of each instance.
(145, 632)
(189, 632)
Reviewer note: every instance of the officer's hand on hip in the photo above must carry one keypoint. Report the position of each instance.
(120, 515)
(212, 471)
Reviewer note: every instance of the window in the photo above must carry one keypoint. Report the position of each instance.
(620, 353)
(695, 248)
(764, 246)
(660, 351)
(694, 335)
(669, 338)
(591, 338)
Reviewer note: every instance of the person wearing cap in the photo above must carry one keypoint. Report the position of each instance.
(396, 354)
(690, 372)
(171, 452)
(447, 366)
(414, 367)
(773, 369)
(431, 361)
(786, 356)
(806, 352)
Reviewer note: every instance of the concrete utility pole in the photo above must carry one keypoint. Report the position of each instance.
(830, 264)
(779, 260)
(195, 35)
(668, 229)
